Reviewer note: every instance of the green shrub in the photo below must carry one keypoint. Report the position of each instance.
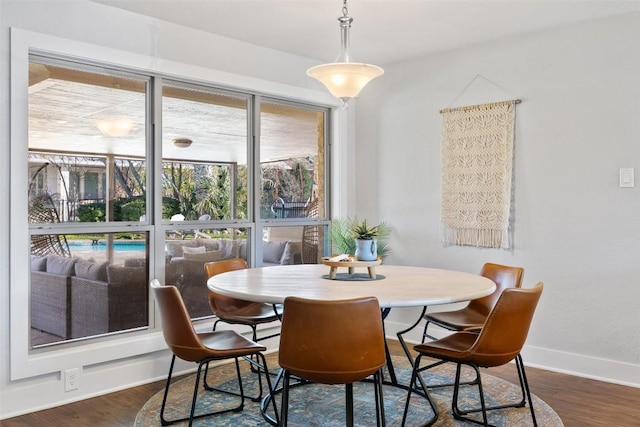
(94, 212)
(131, 209)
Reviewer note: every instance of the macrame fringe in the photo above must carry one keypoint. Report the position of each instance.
(475, 237)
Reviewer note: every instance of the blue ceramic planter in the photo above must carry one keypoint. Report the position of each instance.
(366, 250)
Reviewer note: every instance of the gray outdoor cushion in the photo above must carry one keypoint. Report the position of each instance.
(62, 266)
(288, 256)
(209, 244)
(38, 263)
(204, 256)
(120, 274)
(92, 270)
(136, 262)
(272, 251)
(195, 250)
(174, 247)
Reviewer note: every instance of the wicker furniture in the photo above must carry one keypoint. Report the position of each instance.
(51, 294)
(51, 303)
(185, 268)
(72, 298)
(119, 303)
(311, 237)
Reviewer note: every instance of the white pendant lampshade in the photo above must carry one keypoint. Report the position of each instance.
(343, 78)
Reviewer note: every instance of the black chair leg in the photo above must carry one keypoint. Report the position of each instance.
(192, 415)
(526, 386)
(413, 385)
(284, 408)
(457, 413)
(425, 334)
(163, 421)
(195, 396)
(523, 390)
(270, 387)
(252, 362)
(526, 393)
(349, 403)
(379, 397)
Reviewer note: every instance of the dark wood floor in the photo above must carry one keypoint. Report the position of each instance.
(579, 402)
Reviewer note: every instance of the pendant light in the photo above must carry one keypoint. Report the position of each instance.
(343, 78)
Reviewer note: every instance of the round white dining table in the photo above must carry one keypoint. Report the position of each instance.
(394, 286)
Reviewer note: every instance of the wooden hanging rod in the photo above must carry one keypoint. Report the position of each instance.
(473, 107)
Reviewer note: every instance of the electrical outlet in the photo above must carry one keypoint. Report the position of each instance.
(71, 379)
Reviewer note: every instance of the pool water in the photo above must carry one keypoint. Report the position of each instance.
(102, 246)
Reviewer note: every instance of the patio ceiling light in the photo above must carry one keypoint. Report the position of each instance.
(182, 142)
(115, 126)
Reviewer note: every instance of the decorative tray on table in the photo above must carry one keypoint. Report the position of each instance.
(350, 262)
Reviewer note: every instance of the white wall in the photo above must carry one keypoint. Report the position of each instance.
(578, 124)
(575, 229)
(83, 29)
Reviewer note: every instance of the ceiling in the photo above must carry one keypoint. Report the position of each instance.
(68, 106)
(383, 31)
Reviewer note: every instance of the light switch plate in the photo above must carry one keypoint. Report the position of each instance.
(626, 178)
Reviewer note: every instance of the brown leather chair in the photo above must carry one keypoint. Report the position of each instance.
(332, 342)
(472, 317)
(200, 348)
(500, 341)
(237, 311)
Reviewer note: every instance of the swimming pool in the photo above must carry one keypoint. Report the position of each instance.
(101, 246)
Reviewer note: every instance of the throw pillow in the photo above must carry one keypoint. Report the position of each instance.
(197, 250)
(204, 257)
(38, 263)
(60, 265)
(290, 250)
(272, 251)
(92, 270)
(230, 248)
(174, 247)
(209, 244)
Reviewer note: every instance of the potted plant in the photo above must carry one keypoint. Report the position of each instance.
(345, 232)
(366, 243)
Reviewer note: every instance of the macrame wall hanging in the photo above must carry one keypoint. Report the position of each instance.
(477, 165)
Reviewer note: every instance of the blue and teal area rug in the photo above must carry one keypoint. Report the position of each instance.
(323, 406)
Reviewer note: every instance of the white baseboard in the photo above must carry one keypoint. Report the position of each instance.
(611, 371)
(595, 368)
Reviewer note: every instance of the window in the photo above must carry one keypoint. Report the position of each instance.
(204, 147)
(232, 175)
(293, 179)
(87, 161)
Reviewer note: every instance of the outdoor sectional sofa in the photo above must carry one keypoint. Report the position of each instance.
(186, 258)
(73, 298)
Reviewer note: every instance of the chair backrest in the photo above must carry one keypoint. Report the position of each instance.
(176, 325)
(332, 342)
(505, 277)
(506, 328)
(216, 267)
(221, 304)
